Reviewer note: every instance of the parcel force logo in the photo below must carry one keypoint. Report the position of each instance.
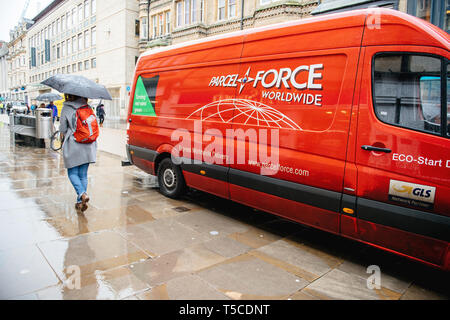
(412, 194)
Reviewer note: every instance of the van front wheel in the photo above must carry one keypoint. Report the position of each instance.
(170, 179)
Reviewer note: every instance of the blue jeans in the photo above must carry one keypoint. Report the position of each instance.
(78, 178)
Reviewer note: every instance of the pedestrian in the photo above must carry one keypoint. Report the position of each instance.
(101, 113)
(2, 108)
(54, 110)
(77, 156)
(33, 108)
(8, 108)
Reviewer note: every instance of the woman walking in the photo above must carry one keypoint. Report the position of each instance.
(77, 156)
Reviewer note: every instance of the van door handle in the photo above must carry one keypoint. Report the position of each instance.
(377, 149)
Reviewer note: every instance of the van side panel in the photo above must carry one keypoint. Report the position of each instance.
(311, 117)
(181, 117)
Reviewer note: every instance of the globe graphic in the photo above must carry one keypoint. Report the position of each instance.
(243, 111)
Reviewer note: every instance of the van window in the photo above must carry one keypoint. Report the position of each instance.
(407, 91)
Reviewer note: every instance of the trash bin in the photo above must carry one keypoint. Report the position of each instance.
(44, 123)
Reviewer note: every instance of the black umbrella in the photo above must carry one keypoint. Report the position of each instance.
(77, 85)
(49, 97)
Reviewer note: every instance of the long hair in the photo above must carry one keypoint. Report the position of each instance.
(72, 97)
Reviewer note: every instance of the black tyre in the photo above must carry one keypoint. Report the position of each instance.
(56, 141)
(170, 179)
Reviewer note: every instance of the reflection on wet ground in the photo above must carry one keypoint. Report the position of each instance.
(133, 243)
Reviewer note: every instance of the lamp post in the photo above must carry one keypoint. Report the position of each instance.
(242, 14)
(148, 20)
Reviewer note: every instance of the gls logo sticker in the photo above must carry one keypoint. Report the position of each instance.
(411, 193)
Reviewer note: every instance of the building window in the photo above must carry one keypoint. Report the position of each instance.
(80, 12)
(63, 49)
(168, 22)
(80, 41)
(179, 14)
(73, 18)
(86, 65)
(192, 12)
(86, 9)
(161, 24)
(187, 11)
(63, 70)
(63, 23)
(155, 27)
(93, 7)
(80, 66)
(201, 10)
(74, 44)
(74, 67)
(93, 37)
(220, 9)
(144, 28)
(436, 12)
(93, 63)
(86, 39)
(68, 68)
(231, 8)
(136, 27)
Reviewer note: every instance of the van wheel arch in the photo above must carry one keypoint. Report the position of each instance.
(160, 158)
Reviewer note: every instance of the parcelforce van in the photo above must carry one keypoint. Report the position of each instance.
(340, 122)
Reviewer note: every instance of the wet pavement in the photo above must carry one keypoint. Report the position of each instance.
(133, 243)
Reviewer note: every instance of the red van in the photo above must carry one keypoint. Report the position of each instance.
(339, 122)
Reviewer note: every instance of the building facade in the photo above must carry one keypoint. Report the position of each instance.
(436, 12)
(4, 85)
(93, 38)
(16, 61)
(166, 22)
(175, 21)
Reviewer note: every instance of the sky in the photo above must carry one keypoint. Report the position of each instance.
(10, 11)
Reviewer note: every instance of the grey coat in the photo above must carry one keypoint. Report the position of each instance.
(74, 153)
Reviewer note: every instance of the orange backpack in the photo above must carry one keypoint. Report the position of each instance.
(86, 130)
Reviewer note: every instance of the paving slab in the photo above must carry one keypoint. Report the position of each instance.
(340, 285)
(98, 251)
(23, 271)
(189, 287)
(311, 264)
(247, 277)
(159, 270)
(113, 284)
(161, 236)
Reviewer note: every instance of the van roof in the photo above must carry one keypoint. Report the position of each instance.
(381, 19)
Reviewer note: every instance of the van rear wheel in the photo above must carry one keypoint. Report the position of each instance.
(170, 179)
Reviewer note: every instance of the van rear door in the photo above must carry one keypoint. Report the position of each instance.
(403, 151)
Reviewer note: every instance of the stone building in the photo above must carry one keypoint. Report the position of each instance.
(17, 62)
(165, 22)
(436, 12)
(93, 38)
(4, 86)
(175, 21)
